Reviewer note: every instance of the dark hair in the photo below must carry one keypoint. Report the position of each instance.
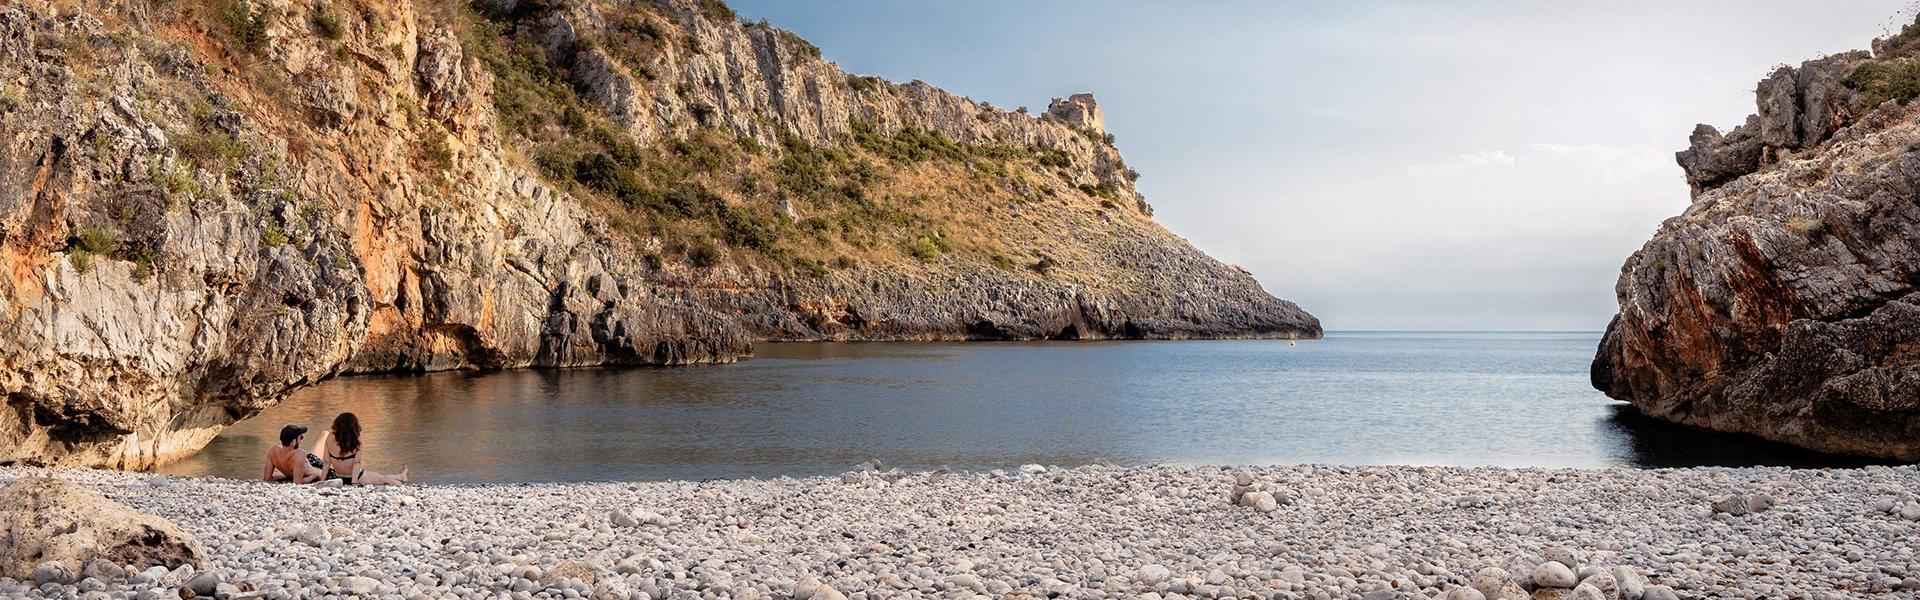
(346, 432)
(290, 433)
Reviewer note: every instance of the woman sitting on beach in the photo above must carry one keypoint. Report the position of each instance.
(343, 455)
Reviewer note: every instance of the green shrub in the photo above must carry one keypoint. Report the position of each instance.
(246, 25)
(81, 260)
(643, 27)
(213, 149)
(1880, 80)
(435, 149)
(703, 112)
(864, 83)
(272, 237)
(95, 239)
(693, 200)
(1044, 266)
(89, 241)
(910, 145)
(142, 265)
(325, 23)
(812, 267)
(709, 157)
(718, 11)
(793, 39)
(173, 184)
(807, 171)
(706, 254)
(603, 173)
(1103, 189)
(925, 249)
(1051, 157)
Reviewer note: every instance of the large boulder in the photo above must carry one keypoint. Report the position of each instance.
(1781, 302)
(46, 521)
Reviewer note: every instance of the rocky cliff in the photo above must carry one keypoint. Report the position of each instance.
(206, 204)
(1781, 302)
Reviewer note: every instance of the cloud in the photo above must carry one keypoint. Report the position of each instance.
(1614, 163)
(1464, 162)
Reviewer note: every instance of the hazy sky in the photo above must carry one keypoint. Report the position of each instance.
(1387, 165)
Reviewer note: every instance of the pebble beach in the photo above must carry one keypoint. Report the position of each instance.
(1371, 533)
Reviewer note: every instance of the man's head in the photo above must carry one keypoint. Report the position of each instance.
(291, 433)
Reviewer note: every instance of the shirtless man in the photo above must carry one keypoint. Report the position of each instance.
(290, 462)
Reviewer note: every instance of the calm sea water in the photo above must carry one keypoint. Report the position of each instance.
(1510, 399)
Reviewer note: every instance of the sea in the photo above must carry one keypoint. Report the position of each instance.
(807, 409)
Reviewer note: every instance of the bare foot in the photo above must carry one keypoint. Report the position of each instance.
(403, 474)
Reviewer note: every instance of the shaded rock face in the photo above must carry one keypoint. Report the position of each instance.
(1781, 303)
(1799, 107)
(192, 229)
(47, 520)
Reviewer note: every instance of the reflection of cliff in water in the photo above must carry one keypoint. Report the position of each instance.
(1653, 443)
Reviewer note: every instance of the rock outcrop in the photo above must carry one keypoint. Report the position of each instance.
(1781, 303)
(207, 204)
(50, 525)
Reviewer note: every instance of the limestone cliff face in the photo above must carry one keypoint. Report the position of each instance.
(1781, 302)
(206, 204)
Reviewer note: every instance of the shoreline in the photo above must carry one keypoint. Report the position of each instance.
(1097, 531)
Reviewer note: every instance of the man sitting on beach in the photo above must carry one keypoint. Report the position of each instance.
(290, 462)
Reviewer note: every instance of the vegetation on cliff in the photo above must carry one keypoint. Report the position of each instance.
(210, 203)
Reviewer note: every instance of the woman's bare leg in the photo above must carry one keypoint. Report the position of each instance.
(367, 477)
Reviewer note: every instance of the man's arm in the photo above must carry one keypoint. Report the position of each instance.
(268, 475)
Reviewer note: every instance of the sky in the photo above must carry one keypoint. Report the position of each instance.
(1405, 165)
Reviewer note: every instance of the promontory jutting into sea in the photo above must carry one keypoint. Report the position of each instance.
(634, 300)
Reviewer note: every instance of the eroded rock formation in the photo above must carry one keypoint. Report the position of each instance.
(206, 204)
(51, 524)
(1781, 302)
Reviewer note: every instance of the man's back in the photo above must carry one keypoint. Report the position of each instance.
(287, 461)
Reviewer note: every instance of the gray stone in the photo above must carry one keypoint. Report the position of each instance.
(1553, 574)
(204, 583)
(1565, 556)
(52, 571)
(1465, 593)
(1153, 575)
(1632, 585)
(620, 518)
(1604, 583)
(1589, 592)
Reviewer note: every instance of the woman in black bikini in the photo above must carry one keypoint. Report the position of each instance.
(343, 455)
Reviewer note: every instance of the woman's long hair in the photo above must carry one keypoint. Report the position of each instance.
(346, 432)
